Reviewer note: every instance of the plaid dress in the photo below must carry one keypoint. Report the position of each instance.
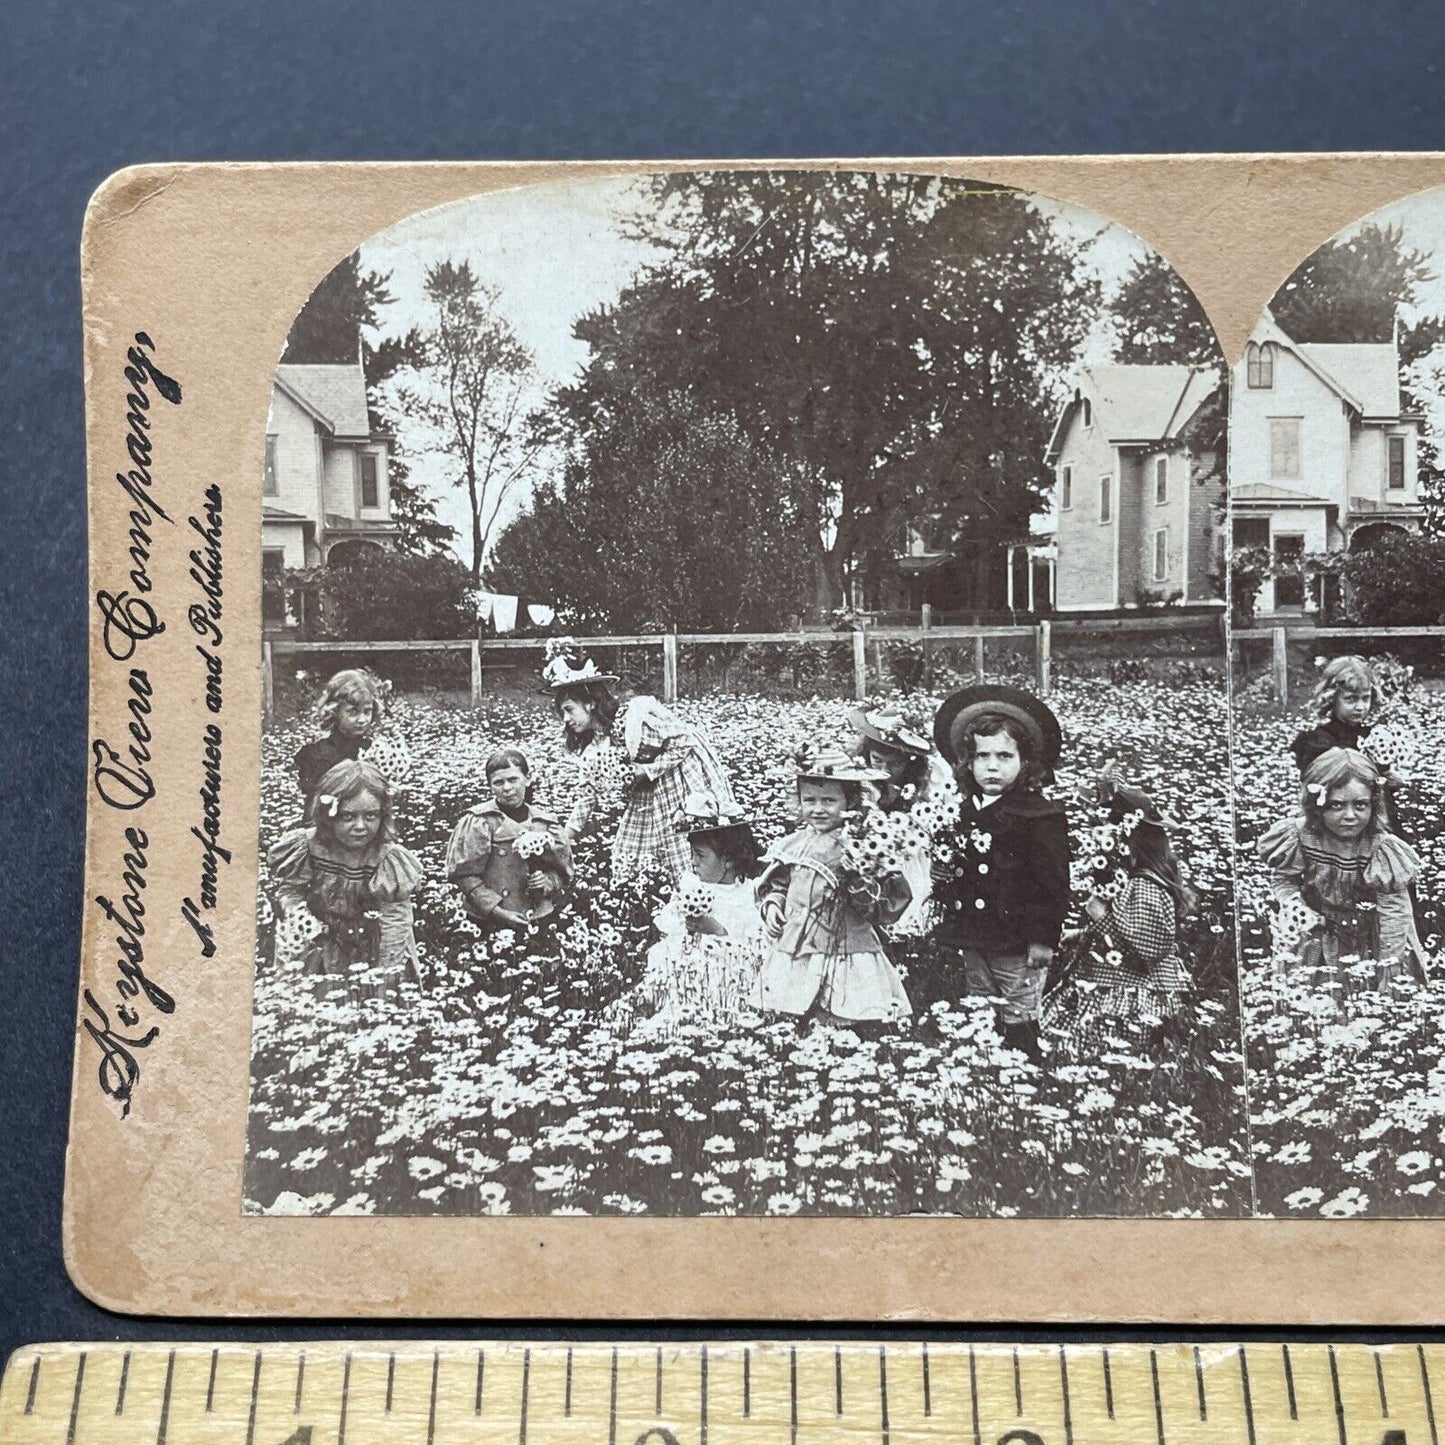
(677, 759)
(1128, 978)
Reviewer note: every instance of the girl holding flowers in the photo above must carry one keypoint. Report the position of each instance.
(350, 712)
(511, 860)
(344, 884)
(1341, 878)
(824, 895)
(659, 759)
(704, 968)
(1128, 979)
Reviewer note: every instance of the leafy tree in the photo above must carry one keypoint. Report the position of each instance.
(465, 384)
(889, 343)
(385, 596)
(1399, 581)
(1157, 319)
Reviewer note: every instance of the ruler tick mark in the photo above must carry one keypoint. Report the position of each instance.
(1429, 1398)
(345, 1397)
(124, 1377)
(1380, 1386)
(792, 1396)
(166, 1399)
(1158, 1399)
(481, 1376)
(255, 1395)
(300, 1382)
(1339, 1402)
(1248, 1396)
(1108, 1386)
(1018, 1387)
(973, 1394)
(211, 1381)
(883, 1392)
(612, 1403)
(34, 1385)
(657, 1386)
(927, 1391)
(567, 1395)
(390, 1379)
(431, 1418)
(1289, 1383)
(1199, 1384)
(1068, 1404)
(837, 1380)
(526, 1382)
(747, 1384)
(75, 1399)
(702, 1399)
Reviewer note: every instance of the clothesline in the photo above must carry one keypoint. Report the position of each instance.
(501, 610)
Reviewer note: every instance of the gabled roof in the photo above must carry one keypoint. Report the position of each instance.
(1243, 492)
(1137, 403)
(1365, 375)
(335, 396)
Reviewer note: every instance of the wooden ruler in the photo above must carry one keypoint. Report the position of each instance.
(693, 1394)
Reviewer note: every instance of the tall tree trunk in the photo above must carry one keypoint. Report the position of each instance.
(476, 505)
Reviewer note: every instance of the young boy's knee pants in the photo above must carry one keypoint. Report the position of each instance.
(1005, 976)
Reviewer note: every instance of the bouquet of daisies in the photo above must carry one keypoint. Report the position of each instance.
(875, 845)
(608, 771)
(694, 897)
(531, 846)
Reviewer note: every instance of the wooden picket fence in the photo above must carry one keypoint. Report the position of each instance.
(1039, 635)
(1281, 637)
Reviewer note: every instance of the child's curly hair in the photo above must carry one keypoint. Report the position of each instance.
(1334, 769)
(352, 684)
(347, 780)
(1032, 774)
(1342, 673)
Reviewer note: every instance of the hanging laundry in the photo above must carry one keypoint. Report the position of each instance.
(504, 613)
(540, 615)
(484, 606)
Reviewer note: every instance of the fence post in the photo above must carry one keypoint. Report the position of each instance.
(1042, 647)
(926, 625)
(669, 667)
(1279, 644)
(268, 682)
(978, 657)
(476, 672)
(860, 662)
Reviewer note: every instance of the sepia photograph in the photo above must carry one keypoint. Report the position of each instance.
(747, 716)
(1338, 596)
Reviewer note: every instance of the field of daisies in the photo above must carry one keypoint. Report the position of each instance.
(1347, 1100)
(497, 1086)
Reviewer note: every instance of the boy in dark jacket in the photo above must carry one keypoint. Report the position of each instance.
(1002, 883)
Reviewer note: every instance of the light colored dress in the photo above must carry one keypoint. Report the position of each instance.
(1129, 977)
(677, 759)
(334, 914)
(826, 951)
(700, 978)
(1341, 902)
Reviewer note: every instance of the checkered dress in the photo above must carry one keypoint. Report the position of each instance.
(678, 759)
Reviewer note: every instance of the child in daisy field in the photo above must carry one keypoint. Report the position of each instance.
(343, 884)
(824, 896)
(638, 743)
(1341, 881)
(704, 968)
(1125, 979)
(350, 713)
(1001, 875)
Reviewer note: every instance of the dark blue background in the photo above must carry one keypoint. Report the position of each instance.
(92, 86)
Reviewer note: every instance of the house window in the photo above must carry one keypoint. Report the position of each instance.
(1289, 578)
(1284, 448)
(1396, 463)
(1161, 554)
(1259, 366)
(370, 483)
(1086, 412)
(1251, 532)
(1105, 498)
(1161, 481)
(1066, 488)
(272, 487)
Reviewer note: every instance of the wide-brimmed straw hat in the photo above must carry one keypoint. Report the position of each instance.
(887, 727)
(961, 709)
(560, 673)
(701, 814)
(829, 763)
